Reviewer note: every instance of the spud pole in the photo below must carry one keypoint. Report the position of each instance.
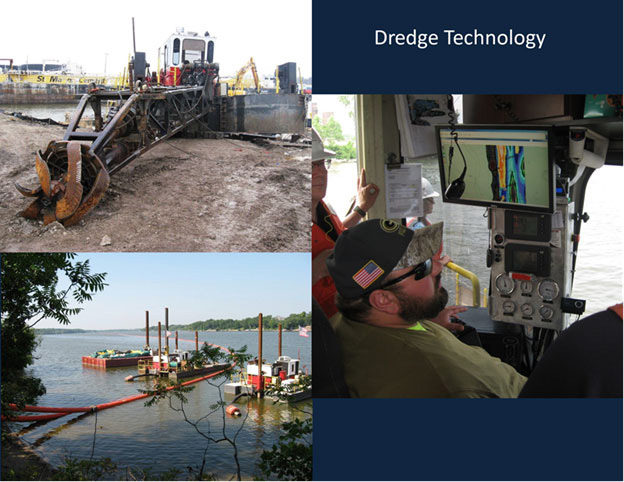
(159, 349)
(260, 386)
(147, 343)
(167, 330)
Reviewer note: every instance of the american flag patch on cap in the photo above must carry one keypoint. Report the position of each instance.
(368, 274)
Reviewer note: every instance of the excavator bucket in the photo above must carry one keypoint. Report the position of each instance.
(66, 171)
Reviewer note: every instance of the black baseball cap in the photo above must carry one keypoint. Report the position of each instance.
(368, 252)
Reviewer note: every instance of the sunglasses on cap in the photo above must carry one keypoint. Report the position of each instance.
(419, 272)
(321, 163)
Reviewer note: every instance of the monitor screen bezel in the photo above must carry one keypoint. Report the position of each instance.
(502, 204)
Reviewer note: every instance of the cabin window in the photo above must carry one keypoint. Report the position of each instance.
(36, 67)
(52, 67)
(176, 51)
(193, 49)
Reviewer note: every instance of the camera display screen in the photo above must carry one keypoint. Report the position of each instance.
(508, 166)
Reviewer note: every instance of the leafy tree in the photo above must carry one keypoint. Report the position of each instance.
(291, 458)
(332, 135)
(331, 131)
(30, 294)
(291, 322)
(343, 151)
(347, 101)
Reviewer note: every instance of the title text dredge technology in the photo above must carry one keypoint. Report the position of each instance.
(423, 40)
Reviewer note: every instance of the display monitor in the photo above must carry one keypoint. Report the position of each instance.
(498, 165)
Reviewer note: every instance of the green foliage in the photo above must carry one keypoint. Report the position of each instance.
(29, 286)
(333, 138)
(30, 294)
(105, 469)
(76, 469)
(284, 391)
(343, 151)
(291, 322)
(164, 389)
(291, 458)
(347, 101)
(58, 331)
(207, 355)
(330, 132)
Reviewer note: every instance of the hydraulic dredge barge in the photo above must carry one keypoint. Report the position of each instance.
(74, 173)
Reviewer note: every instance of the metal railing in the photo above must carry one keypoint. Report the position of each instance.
(476, 287)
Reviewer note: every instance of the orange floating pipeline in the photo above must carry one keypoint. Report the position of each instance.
(34, 418)
(32, 408)
(62, 411)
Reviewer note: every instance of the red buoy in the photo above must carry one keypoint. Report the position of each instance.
(233, 411)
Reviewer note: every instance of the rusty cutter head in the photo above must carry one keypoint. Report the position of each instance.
(72, 182)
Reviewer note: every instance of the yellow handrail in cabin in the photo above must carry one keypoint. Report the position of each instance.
(476, 287)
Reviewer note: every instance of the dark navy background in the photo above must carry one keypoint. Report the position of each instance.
(431, 439)
(468, 439)
(582, 52)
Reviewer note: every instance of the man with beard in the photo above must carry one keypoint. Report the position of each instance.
(393, 331)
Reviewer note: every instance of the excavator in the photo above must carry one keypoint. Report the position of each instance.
(237, 86)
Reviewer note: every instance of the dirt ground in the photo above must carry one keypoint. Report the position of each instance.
(183, 195)
(20, 462)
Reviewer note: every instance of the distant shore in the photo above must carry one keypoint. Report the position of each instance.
(61, 331)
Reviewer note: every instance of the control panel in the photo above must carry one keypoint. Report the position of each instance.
(530, 256)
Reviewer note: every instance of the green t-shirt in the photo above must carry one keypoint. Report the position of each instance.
(427, 362)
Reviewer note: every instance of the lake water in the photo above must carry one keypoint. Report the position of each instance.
(598, 277)
(155, 438)
(56, 112)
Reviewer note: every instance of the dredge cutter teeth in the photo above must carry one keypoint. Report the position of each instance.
(66, 171)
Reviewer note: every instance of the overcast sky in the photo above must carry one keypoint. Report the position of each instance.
(94, 33)
(194, 286)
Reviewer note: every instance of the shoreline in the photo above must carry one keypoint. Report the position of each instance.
(20, 462)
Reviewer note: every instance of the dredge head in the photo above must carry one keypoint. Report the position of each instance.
(72, 183)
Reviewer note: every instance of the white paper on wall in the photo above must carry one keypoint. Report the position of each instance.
(403, 190)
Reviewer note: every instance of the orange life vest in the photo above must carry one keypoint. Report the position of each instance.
(324, 290)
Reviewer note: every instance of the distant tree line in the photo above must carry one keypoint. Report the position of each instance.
(291, 322)
(57, 331)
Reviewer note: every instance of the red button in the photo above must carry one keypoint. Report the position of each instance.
(520, 276)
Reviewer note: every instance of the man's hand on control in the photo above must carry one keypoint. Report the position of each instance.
(443, 319)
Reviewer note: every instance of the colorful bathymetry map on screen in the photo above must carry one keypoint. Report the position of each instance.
(512, 170)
